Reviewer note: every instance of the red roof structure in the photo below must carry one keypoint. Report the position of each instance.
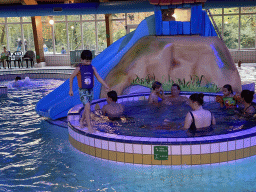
(174, 2)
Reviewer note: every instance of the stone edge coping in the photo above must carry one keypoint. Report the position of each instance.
(155, 141)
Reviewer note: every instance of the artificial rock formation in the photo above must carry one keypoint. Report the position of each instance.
(175, 57)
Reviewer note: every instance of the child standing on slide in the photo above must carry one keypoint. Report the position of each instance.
(85, 77)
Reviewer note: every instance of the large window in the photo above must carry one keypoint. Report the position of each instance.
(237, 26)
(72, 32)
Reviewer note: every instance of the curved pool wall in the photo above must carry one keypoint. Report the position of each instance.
(140, 150)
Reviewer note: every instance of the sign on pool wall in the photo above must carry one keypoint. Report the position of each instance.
(161, 152)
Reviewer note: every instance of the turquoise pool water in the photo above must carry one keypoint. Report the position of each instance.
(37, 156)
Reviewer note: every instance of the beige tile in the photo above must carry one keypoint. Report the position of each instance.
(128, 158)
(92, 151)
(176, 159)
(112, 155)
(186, 159)
(196, 160)
(156, 162)
(98, 152)
(247, 152)
(205, 158)
(167, 162)
(215, 158)
(253, 150)
(231, 155)
(223, 156)
(137, 158)
(104, 154)
(120, 157)
(87, 149)
(239, 153)
(146, 159)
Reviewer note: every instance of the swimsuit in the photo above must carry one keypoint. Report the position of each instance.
(192, 129)
(85, 83)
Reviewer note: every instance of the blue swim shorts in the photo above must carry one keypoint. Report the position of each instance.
(86, 95)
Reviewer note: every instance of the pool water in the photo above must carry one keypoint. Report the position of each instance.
(37, 156)
(145, 120)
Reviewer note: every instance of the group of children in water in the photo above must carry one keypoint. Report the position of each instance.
(198, 121)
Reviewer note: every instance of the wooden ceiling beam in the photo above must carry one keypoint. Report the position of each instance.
(29, 2)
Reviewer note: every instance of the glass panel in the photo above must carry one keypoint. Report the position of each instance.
(231, 10)
(118, 30)
(2, 20)
(216, 11)
(26, 19)
(3, 40)
(248, 9)
(182, 15)
(59, 18)
(28, 37)
(100, 17)
(89, 35)
(102, 41)
(47, 36)
(60, 37)
(13, 19)
(231, 31)
(14, 35)
(88, 17)
(247, 31)
(218, 21)
(136, 18)
(118, 16)
(74, 35)
(45, 18)
(73, 17)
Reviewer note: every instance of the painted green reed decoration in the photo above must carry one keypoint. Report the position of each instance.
(194, 84)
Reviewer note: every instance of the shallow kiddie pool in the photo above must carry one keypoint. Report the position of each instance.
(137, 145)
(37, 156)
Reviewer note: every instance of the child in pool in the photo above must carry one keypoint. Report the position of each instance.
(113, 110)
(249, 109)
(157, 92)
(229, 100)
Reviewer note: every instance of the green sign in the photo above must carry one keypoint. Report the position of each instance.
(161, 152)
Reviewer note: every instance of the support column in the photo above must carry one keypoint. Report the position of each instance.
(38, 38)
(109, 29)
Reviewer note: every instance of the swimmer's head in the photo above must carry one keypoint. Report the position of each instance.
(17, 78)
(156, 85)
(175, 89)
(112, 95)
(227, 89)
(198, 98)
(247, 95)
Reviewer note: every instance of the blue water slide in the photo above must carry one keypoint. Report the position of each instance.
(57, 103)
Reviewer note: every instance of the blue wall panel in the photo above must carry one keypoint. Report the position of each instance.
(166, 28)
(186, 28)
(158, 20)
(196, 20)
(173, 27)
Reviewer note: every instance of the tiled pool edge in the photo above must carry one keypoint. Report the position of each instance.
(181, 151)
